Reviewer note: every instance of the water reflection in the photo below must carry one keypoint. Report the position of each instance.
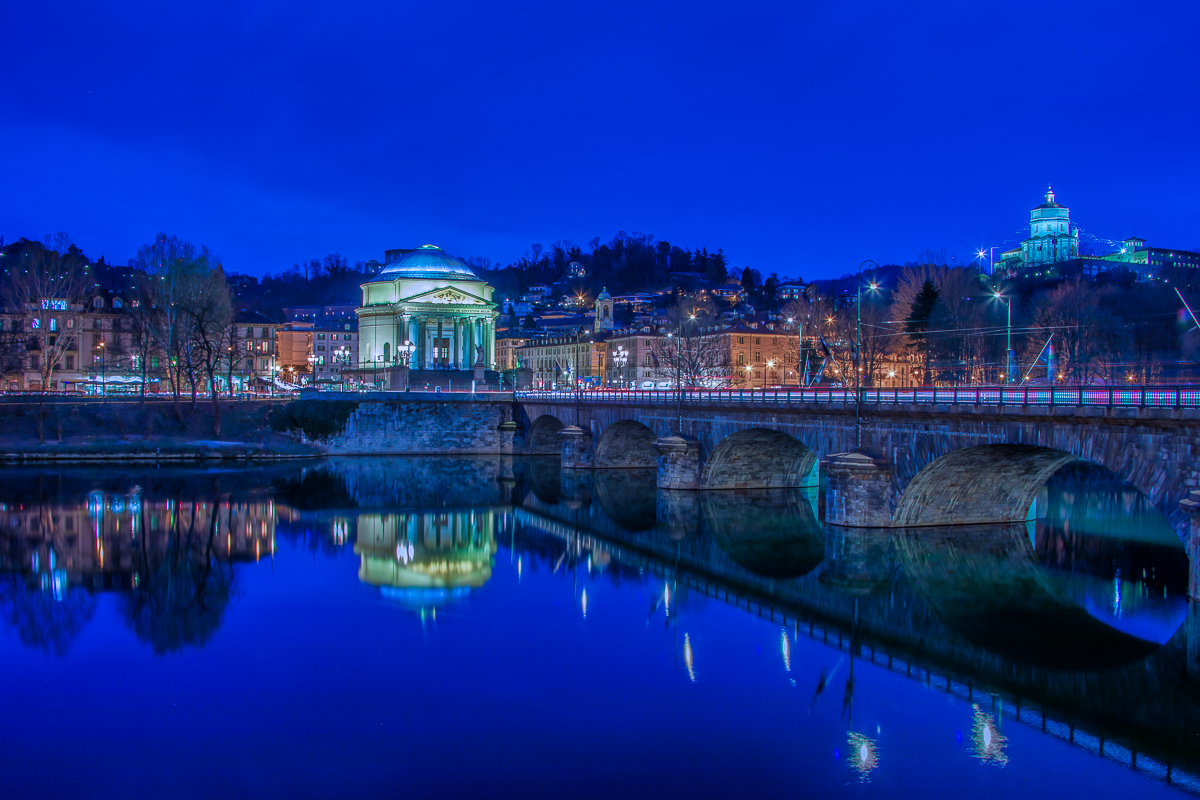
(771, 532)
(426, 558)
(1095, 580)
(1078, 609)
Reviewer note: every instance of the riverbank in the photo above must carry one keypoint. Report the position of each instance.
(95, 430)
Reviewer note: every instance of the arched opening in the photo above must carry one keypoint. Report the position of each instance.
(759, 458)
(986, 483)
(1088, 575)
(626, 445)
(543, 436)
(387, 352)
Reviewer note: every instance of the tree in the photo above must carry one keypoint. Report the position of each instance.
(171, 274)
(694, 353)
(47, 290)
(916, 323)
(211, 321)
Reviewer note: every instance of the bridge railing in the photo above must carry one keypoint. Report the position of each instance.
(999, 396)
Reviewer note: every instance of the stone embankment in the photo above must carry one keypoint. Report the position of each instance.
(95, 429)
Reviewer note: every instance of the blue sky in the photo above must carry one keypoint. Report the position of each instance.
(801, 138)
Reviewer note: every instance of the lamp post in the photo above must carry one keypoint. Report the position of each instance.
(312, 370)
(1009, 361)
(405, 352)
(621, 358)
(858, 358)
(103, 374)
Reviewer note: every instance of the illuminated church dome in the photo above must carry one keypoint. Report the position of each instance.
(428, 262)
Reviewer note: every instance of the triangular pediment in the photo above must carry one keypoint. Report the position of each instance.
(448, 296)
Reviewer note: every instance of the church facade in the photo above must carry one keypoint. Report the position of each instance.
(427, 310)
(1051, 238)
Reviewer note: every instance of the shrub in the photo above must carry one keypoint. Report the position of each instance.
(318, 419)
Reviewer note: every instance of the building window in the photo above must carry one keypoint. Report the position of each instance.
(70, 362)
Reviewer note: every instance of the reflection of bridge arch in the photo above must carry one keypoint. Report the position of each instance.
(628, 498)
(543, 436)
(985, 483)
(773, 533)
(985, 582)
(626, 444)
(759, 458)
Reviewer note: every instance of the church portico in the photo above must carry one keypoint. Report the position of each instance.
(431, 305)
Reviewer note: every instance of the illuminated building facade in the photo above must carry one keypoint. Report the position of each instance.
(1051, 238)
(436, 303)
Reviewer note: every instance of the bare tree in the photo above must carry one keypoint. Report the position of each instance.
(693, 352)
(47, 290)
(211, 315)
(170, 272)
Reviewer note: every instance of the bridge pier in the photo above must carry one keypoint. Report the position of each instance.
(858, 487)
(508, 432)
(577, 449)
(678, 462)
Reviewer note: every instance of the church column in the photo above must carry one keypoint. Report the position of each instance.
(489, 344)
(421, 346)
(438, 352)
(470, 323)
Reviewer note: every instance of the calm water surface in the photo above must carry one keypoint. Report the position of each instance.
(498, 627)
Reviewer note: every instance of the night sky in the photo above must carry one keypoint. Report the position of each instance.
(799, 137)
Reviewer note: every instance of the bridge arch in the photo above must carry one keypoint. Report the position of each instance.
(759, 458)
(626, 444)
(542, 438)
(981, 484)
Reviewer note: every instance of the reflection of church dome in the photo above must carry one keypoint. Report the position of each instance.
(427, 262)
(425, 559)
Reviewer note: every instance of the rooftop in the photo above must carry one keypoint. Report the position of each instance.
(430, 262)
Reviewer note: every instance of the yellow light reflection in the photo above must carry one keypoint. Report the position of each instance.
(687, 657)
(584, 601)
(786, 647)
(864, 755)
(988, 740)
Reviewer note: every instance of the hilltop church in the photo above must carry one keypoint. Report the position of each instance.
(1051, 238)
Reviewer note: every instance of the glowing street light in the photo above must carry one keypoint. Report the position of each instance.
(1009, 358)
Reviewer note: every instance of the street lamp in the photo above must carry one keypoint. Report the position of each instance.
(858, 359)
(103, 373)
(621, 358)
(312, 369)
(405, 354)
(1009, 360)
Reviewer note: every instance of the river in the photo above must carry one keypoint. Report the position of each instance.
(449, 626)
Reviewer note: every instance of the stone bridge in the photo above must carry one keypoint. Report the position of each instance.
(917, 465)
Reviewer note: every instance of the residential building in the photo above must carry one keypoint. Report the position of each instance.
(334, 350)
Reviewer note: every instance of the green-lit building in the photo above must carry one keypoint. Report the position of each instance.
(433, 302)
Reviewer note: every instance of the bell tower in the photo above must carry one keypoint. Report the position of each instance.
(604, 312)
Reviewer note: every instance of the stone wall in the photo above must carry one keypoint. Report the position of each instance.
(411, 426)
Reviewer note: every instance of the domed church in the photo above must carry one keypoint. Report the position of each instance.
(433, 302)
